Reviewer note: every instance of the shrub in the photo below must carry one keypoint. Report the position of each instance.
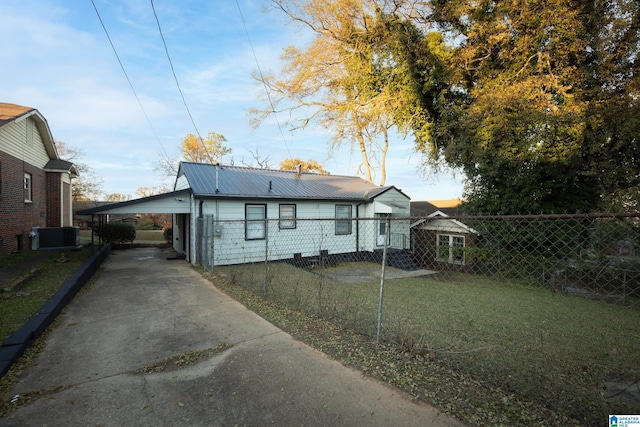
(117, 232)
(168, 234)
(145, 223)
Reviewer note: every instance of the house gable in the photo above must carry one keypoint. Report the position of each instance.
(391, 201)
(25, 135)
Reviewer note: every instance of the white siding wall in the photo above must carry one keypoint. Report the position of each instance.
(22, 140)
(398, 227)
(308, 238)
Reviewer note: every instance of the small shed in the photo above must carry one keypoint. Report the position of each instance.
(440, 240)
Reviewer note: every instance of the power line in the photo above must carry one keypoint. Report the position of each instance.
(129, 81)
(266, 89)
(178, 85)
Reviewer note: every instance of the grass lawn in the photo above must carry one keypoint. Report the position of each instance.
(142, 237)
(490, 353)
(17, 306)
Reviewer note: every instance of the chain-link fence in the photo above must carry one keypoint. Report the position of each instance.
(516, 303)
(591, 256)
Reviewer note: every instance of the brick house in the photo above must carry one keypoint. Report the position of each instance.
(35, 184)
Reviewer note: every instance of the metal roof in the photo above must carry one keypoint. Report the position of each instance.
(207, 180)
(132, 206)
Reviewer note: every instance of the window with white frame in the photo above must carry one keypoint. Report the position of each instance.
(28, 187)
(255, 223)
(343, 226)
(287, 217)
(450, 248)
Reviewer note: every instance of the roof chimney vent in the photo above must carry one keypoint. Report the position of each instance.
(298, 171)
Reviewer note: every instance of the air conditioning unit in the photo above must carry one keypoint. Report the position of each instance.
(55, 237)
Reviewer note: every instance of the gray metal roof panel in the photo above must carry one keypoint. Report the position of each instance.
(234, 181)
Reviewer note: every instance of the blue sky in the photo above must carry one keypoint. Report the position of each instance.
(56, 57)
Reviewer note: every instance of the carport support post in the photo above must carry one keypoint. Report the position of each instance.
(384, 265)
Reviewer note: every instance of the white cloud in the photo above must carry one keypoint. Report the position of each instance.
(56, 58)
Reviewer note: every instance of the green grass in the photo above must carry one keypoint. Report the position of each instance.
(501, 353)
(142, 236)
(11, 259)
(17, 306)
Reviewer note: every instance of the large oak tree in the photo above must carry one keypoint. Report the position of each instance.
(355, 79)
(542, 113)
(536, 100)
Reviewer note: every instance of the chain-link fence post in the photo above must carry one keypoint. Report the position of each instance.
(384, 264)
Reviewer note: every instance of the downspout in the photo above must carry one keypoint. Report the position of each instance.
(358, 227)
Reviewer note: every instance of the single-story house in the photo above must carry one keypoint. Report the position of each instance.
(226, 214)
(439, 239)
(35, 184)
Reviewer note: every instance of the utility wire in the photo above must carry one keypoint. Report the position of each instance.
(164, 153)
(266, 89)
(178, 85)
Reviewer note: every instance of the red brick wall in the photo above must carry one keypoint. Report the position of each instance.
(54, 194)
(66, 205)
(16, 216)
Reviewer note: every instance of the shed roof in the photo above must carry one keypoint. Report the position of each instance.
(207, 180)
(448, 207)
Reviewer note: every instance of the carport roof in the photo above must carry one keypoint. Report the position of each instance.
(173, 202)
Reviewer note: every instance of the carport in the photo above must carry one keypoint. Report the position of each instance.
(176, 203)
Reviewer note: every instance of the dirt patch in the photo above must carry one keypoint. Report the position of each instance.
(366, 272)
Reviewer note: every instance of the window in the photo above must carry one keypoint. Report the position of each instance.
(287, 217)
(343, 226)
(255, 224)
(450, 249)
(27, 187)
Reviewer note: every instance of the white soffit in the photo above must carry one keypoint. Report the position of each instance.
(388, 208)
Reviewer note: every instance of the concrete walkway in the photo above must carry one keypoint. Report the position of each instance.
(154, 344)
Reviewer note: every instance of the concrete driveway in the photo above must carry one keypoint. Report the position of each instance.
(151, 343)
